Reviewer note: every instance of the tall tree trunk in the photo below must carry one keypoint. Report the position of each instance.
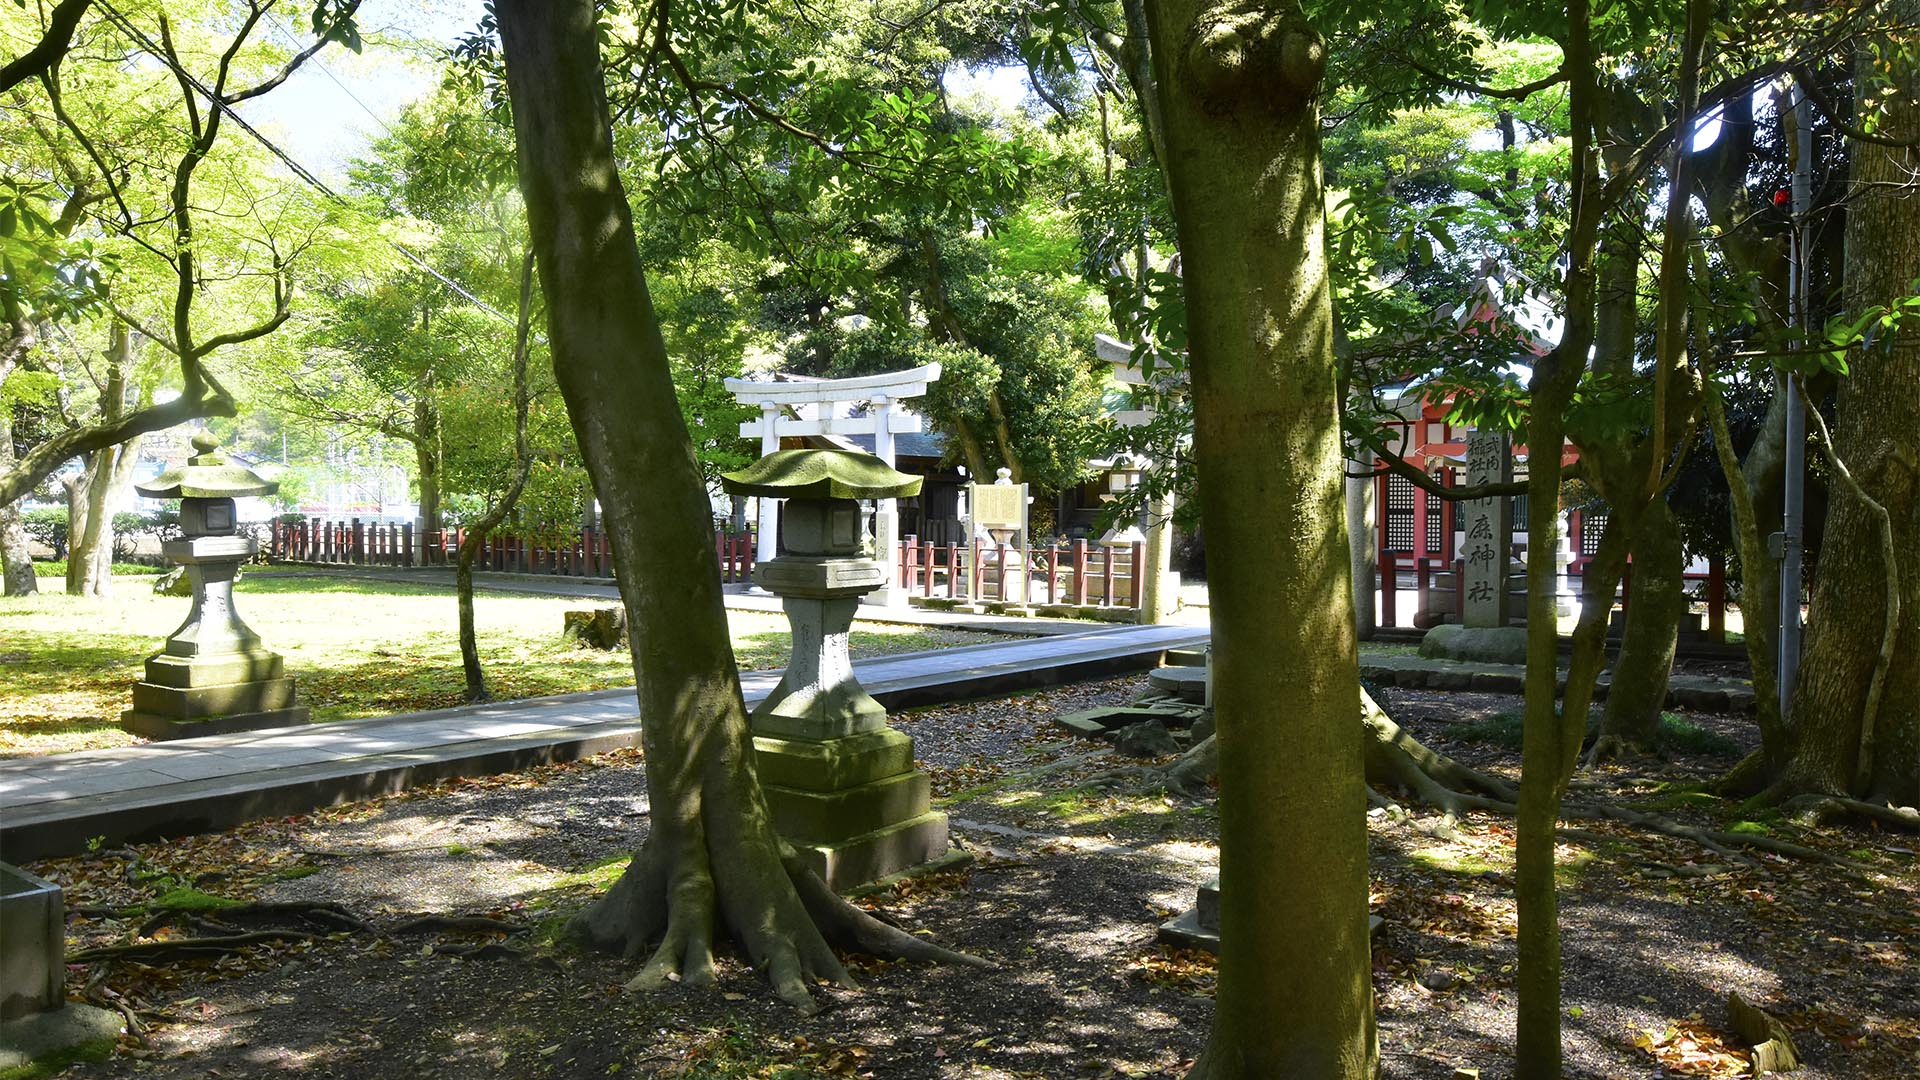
(1553, 731)
(489, 521)
(89, 501)
(1840, 747)
(1239, 93)
(16, 563)
(428, 452)
(1638, 690)
(711, 862)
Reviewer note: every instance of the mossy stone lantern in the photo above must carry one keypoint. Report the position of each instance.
(213, 675)
(840, 782)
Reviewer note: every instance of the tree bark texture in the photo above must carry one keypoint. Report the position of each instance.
(16, 563)
(1838, 749)
(711, 863)
(427, 455)
(1238, 89)
(104, 474)
(1655, 607)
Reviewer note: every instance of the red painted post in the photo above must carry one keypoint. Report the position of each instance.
(1389, 575)
(1423, 577)
(975, 583)
(926, 568)
(1389, 581)
(953, 569)
(1053, 572)
(406, 543)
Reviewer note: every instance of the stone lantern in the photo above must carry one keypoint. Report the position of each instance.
(213, 675)
(840, 782)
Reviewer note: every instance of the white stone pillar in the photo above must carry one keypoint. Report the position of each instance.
(768, 544)
(886, 512)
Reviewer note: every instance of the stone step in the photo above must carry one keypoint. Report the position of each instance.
(833, 816)
(877, 854)
(1189, 684)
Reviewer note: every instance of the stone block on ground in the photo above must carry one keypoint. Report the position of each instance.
(1189, 684)
(32, 943)
(599, 628)
(1479, 644)
(1199, 926)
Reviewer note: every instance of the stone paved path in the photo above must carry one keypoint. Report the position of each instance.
(57, 804)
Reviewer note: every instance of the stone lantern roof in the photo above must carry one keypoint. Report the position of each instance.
(207, 475)
(820, 474)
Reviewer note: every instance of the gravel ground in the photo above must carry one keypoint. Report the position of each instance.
(1068, 887)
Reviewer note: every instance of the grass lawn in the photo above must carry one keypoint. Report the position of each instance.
(358, 648)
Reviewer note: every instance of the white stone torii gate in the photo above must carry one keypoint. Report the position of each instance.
(880, 392)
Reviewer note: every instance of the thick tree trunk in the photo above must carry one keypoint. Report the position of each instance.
(16, 563)
(1239, 94)
(90, 501)
(712, 862)
(1841, 744)
(1639, 687)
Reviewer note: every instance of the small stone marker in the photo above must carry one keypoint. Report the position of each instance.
(1483, 591)
(37, 1023)
(1199, 926)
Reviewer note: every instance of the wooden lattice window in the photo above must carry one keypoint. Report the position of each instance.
(1399, 513)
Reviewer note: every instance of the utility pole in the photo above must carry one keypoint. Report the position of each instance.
(1793, 523)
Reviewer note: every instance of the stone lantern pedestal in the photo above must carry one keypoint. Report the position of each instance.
(841, 784)
(213, 676)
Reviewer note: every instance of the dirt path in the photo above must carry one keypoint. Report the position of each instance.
(1066, 894)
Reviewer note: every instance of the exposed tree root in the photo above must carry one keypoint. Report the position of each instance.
(681, 915)
(1826, 808)
(178, 947)
(1395, 759)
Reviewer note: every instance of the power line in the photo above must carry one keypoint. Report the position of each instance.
(286, 159)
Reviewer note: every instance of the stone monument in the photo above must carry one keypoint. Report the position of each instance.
(997, 512)
(841, 784)
(1483, 633)
(213, 676)
(37, 1023)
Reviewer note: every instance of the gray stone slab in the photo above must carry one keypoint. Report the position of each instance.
(55, 805)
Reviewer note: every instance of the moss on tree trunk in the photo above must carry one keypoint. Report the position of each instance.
(1841, 744)
(711, 864)
(1238, 90)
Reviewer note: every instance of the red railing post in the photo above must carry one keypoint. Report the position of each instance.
(1389, 581)
(1423, 584)
(976, 583)
(1106, 575)
(926, 568)
(359, 550)
(1053, 572)
(953, 569)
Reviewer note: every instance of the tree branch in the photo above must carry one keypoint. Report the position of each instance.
(1516, 93)
(53, 45)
